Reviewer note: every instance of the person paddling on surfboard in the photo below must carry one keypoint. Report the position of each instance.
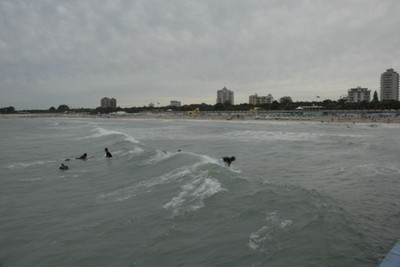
(228, 160)
(83, 157)
(108, 154)
(63, 167)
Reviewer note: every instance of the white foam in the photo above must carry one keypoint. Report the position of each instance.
(32, 179)
(193, 195)
(28, 164)
(209, 160)
(159, 156)
(286, 135)
(274, 227)
(258, 237)
(286, 224)
(100, 132)
(146, 185)
(137, 150)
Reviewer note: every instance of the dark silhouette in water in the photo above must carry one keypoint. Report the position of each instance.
(228, 160)
(108, 154)
(63, 167)
(84, 156)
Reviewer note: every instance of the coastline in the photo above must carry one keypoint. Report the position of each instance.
(221, 116)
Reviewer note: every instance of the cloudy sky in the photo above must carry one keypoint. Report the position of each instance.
(75, 52)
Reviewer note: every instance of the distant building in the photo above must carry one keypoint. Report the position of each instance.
(359, 94)
(113, 103)
(224, 95)
(259, 100)
(175, 103)
(389, 85)
(108, 103)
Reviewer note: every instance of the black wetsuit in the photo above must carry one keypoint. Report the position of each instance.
(228, 160)
(63, 167)
(84, 156)
(108, 154)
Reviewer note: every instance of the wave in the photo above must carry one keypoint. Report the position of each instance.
(275, 226)
(159, 156)
(29, 164)
(146, 185)
(101, 132)
(193, 194)
(380, 169)
(290, 136)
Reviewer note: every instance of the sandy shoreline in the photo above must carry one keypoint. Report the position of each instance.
(247, 117)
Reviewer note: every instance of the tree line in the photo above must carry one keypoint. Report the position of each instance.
(285, 103)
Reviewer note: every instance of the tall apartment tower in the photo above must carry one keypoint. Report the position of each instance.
(389, 85)
(225, 95)
(106, 102)
(113, 103)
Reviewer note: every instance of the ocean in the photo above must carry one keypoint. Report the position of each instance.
(298, 193)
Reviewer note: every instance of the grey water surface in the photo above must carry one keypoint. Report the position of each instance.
(298, 194)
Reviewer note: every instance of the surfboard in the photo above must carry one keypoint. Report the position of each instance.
(392, 259)
(68, 159)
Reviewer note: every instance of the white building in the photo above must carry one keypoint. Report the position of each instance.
(259, 100)
(389, 85)
(106, 102)
(224, 96)
(359, 94)
(175, 103)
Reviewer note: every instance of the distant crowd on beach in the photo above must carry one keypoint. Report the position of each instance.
(383, 117)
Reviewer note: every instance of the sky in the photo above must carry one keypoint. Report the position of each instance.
(76, 52)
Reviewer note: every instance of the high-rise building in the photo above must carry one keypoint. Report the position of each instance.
(224, 95)
(113, 103)
(106, 102)
(175, 103)
(259, 100)
(358, 94)
(389, 85)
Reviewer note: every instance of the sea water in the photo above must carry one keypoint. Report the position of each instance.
(298, 194)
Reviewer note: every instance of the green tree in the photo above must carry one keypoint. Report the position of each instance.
(275, 105)
(7, 110)
(286, 102)
(62, 108)
(375, 99)
(227, 103)
(219, 106)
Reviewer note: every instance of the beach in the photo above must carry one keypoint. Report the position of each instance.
(338, 117)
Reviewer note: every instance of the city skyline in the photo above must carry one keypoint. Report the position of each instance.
(73, 52)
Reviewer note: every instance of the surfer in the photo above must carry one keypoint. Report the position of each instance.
(108, 154)
(63, 167)
(83, 157)
(228, 160)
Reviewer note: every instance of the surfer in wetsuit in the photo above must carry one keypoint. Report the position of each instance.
(84, 156)
(63, 167)
(108, 154)
(228, 160)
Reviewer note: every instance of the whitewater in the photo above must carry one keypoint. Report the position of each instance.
(298, 194)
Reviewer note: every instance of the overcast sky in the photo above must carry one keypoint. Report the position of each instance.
(75, 52)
